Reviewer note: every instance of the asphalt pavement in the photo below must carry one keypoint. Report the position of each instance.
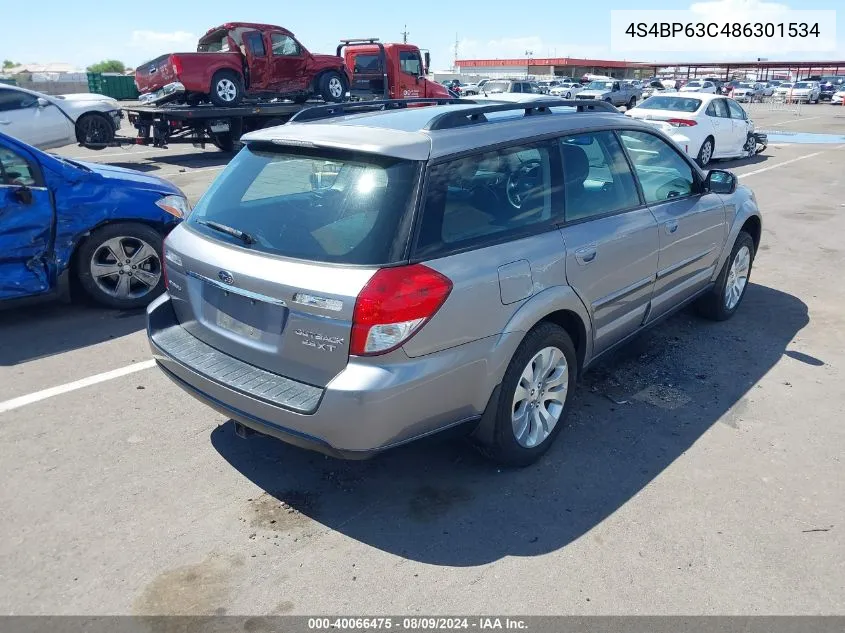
(700, 470)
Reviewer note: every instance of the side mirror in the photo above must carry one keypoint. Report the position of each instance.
(23, 195)
(42, 102)
(720, 181)
(426, 62)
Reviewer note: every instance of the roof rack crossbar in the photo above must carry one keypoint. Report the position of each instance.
(464, 116)
(316, 113)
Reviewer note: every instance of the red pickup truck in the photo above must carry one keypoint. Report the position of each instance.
(240, 58)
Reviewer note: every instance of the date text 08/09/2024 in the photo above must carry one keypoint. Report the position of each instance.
(418, 623)
(727, 29)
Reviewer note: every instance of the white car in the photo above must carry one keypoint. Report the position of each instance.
(566, 89)
(705, 126)
(747, 91)
(838, 97)
(698, 85)
(808, 91)
(53, 121)
(653, 88)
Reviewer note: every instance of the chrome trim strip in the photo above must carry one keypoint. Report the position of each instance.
(238, 291)
(686, 262)
(637, 285)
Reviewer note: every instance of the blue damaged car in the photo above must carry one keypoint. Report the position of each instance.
(67, 225)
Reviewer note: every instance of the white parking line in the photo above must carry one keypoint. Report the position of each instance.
(22, 401)
(787, 162)
(796, 120)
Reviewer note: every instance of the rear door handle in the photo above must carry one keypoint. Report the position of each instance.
(671, 227)
(586, 255)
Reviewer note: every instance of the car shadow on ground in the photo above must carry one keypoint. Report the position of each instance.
(631, 417)
(733, 163)
(29, 333)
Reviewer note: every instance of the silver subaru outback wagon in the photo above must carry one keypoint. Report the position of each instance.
(353, 281)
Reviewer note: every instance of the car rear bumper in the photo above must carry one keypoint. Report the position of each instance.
(168, 92)
(365, 409)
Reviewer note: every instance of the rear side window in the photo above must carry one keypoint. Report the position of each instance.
(662, 172)
(480, 198)
(325, 206)
(596, 176)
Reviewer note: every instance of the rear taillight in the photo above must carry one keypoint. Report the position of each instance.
(394, 305)
(681, 122)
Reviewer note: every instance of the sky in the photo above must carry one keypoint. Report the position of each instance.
(86, 31)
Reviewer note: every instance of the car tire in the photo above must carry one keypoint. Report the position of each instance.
(547, 342)
(632, 103)
(94, 130)
(332, 87)
(726, 296)
(705, 154)
(96, 256)
(227, 88)
(224, 141)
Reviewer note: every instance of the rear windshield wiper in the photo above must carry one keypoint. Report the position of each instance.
(246, 238)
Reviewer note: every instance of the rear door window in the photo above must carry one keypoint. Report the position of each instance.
(488, 196)
(325, 206)
(17, 171)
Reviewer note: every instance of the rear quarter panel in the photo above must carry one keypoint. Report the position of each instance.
(199, 68)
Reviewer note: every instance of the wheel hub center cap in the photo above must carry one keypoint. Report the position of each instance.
(127, 268)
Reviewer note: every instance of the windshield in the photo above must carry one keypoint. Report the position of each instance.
(695, 84)
(600, 85)
(785, 85)
(803, 84)
(497, 86)
(674, 104)
(745, 84)
(317, 205)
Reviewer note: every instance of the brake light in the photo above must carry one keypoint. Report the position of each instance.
(177, 65)
(682, 122)
(394, 305)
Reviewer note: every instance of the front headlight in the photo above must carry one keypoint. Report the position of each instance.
(177, 206)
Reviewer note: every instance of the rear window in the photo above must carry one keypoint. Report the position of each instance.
(367, 63)
(675, 104)
(323, 205)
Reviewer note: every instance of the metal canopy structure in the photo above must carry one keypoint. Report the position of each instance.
(763, 69)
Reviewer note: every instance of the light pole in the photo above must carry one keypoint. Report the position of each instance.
(528, 55)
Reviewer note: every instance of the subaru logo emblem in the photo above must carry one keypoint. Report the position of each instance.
(226, 277)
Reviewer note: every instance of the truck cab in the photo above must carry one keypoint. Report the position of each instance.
(388, 71)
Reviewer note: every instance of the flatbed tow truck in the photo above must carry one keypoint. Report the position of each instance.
(380, 72)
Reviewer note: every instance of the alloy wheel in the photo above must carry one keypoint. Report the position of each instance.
(737, 277)
(540, 397)
(125, 267)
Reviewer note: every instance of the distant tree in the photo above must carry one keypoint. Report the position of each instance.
(8, 63)
(107, 66)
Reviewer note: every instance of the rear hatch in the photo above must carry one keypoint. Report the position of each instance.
(268, 266)
(156, 74)
(673, 108)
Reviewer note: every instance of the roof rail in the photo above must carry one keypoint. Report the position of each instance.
(316, 113)
(360, 40)
(468, 116)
